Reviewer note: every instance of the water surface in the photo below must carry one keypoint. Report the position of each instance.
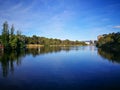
(60, 68)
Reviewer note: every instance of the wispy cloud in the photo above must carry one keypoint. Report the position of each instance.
(117, 27)
(56, 24)
(27, 15)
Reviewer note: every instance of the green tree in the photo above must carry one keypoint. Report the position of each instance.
(12, 30)
(5, 35)
(12, 37)
(110, 41)
(20, 40)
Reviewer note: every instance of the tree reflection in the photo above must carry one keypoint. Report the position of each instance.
(10, 59)
(47, 49)
(110, 55)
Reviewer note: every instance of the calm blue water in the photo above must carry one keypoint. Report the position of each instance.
(59, 68)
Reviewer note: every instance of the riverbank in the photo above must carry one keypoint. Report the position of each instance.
(34, 45)
(39, 45)
(109, 42)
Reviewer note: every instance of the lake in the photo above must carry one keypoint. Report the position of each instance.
(60, 68)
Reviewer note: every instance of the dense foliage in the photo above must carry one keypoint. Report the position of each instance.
(109, 42)
(50, 41)
(10, 40)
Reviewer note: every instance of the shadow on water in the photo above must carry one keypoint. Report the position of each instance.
(109, 55)
(10, 59)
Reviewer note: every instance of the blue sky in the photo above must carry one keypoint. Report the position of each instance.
(63, 19)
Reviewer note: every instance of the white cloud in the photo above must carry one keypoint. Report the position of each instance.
(117, 27)
(56, 24)
(25, 16)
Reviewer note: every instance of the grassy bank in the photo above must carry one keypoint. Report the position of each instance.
(39, 45)
(34, 45)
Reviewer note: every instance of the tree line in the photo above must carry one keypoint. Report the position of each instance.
(10, 39)
(109, 41)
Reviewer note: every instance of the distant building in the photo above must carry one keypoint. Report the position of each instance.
(87, 42)
(90, 42)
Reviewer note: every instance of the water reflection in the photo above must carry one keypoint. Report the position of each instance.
(45, 50)
(11, 58)
(110, 55)
(67, 68)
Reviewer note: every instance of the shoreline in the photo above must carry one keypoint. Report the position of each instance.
(39, 45)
